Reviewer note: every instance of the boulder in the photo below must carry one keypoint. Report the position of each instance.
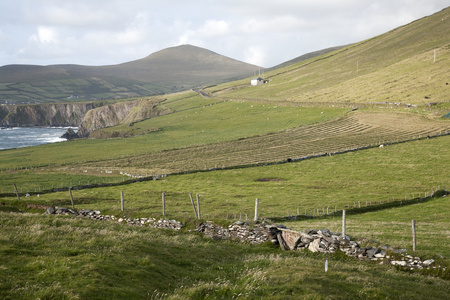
(371, 252)
(50, 211)
(70, 134)
(428, 262)
(314, 246)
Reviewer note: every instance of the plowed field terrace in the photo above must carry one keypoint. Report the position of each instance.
(355, 130)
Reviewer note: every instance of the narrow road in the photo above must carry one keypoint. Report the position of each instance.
(201, 92)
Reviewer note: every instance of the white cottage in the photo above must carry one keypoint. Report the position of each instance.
(257, 81)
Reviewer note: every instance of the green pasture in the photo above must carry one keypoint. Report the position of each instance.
(51, 257)
(186, 100)
(393, 226)
(33, 181)
(392, 67)
(412, 80)
(392, 173)
(203, 125)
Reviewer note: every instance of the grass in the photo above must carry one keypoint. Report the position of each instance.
(58, 257)
(393, 226)
(50, 257)
(372, 175)
(394, 67)
(206, 124)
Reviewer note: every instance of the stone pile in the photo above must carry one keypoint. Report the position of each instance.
(257, 234)
(321, 240)
(152, 222)
(414, 263)
(96, 215)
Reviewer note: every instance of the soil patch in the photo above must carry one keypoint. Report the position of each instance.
(269, 179)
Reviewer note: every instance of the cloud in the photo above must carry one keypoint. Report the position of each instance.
(255, 55)
(45, 35)
(115, 31)
(213, 28)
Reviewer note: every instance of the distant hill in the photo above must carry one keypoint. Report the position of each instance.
(304, 57)
(169, 70)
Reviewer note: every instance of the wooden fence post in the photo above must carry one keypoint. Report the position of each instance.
(414, 234)
(71, 198)
(343, 223)
(193, 205)
(198, 207)
(122, 200)
(17, 192)
(164, 203)
(256, 209)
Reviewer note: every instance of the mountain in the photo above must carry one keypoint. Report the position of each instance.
(304, 57)
(169, 70)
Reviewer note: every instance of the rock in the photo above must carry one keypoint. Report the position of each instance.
(399, 250)
(70, 134)
(371, 252)
(428, 262)
(400, 263)
(314, 246)
(61, 210)
(73, 212)
(306, 238)
(50, 211)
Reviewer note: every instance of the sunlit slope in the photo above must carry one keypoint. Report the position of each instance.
(196, 121)
(355, 130)
(398, 66)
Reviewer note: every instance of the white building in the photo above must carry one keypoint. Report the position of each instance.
(257, 81)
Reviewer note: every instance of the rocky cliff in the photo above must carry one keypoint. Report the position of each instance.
(89, 116)
(70, 114)
(120, 113)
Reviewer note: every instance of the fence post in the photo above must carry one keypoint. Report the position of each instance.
(17, 192)
(122, 200)
(256, 209)
(71, 198)
(343, 223)
(164, 203)
(193, 205)
(414, 234)
(198, 207)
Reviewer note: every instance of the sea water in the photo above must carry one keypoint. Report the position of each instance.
(18, 137)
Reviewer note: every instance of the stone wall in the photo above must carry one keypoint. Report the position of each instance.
(320, 240)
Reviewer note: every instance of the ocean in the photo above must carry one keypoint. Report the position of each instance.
(18, 137)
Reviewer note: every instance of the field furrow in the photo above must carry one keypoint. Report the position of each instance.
(359, 129)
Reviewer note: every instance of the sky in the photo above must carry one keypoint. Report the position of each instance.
(264, 33)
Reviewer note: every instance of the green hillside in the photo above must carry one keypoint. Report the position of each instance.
(396, 67)
(360, 128)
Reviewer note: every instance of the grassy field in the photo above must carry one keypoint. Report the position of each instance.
(241, 144)
(47, 257)
(373, 175)
(200, 125)
(393, 67)
(393, 226)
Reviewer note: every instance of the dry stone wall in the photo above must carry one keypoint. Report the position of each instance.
(320, 240)
(96, 215)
